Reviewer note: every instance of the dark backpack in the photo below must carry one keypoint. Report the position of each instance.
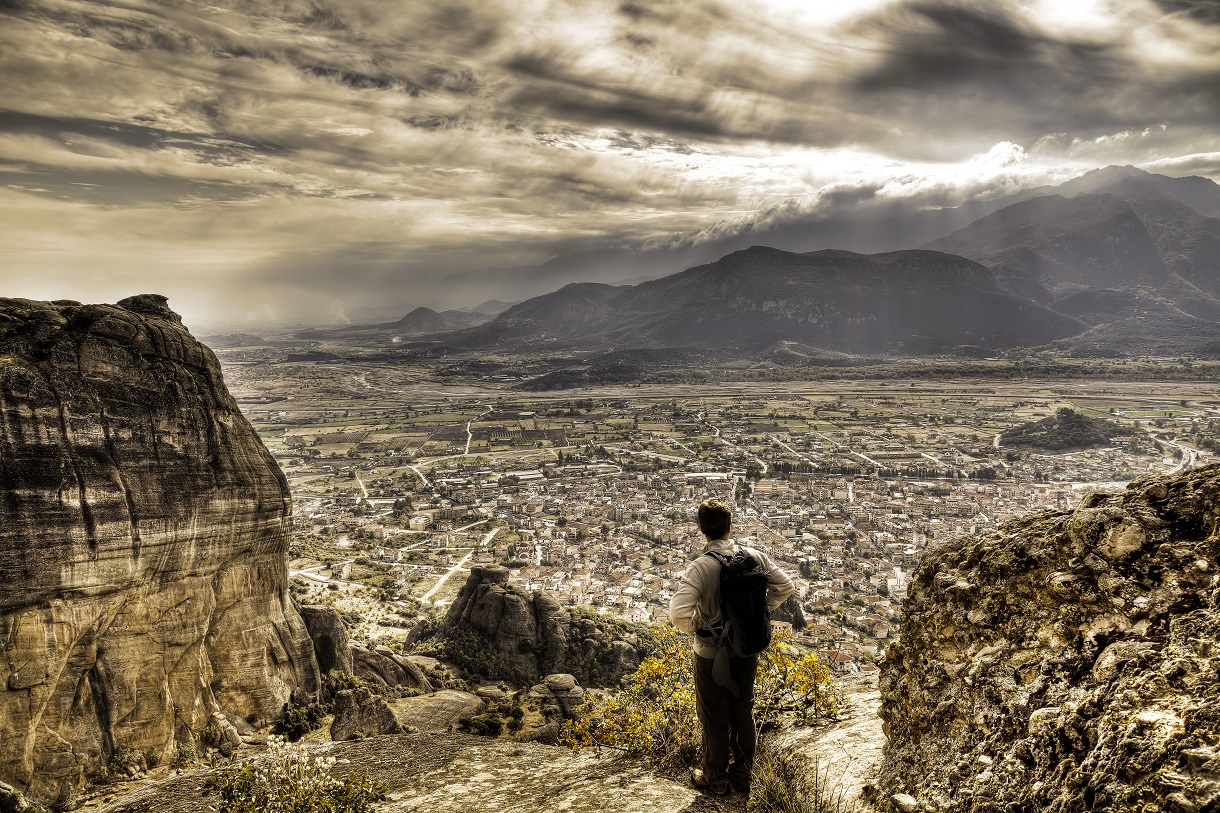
(743, 603)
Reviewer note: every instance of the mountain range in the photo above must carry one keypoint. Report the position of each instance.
(1117, 262)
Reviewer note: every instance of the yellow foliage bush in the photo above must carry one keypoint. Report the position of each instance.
(654, 715)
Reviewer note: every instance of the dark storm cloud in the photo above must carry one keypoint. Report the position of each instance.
(559, 93)
(997, 69)
(931, 46)
(1207, 11)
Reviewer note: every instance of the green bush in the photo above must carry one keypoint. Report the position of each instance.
(288, 780)
(487, 725)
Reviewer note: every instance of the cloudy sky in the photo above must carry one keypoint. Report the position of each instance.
(287, 159)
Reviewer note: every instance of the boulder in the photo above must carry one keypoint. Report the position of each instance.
(329, 635)
(359, 713)
(1066, 661)
(143, 545)
(439, 711)
(559, 694)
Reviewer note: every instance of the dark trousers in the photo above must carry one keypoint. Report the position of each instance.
(727, 721)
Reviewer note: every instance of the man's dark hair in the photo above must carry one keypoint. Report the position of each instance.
(715, 518)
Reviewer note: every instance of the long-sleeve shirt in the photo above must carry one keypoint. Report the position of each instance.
(696, 603)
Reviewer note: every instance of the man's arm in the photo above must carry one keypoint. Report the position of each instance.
(779, 586)
(684, 606)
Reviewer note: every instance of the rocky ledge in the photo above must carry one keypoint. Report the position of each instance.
(455, 773)
(1065, 662)
(143, 543)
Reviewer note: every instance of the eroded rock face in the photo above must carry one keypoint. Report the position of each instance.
(1065, 662)
(143, 540)
(329, 634)
(530, 631)
(359, 713)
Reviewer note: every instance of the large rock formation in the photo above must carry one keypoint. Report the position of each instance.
(335, 651)
(1066, 662)
(530, 632)
(359, 713)
(143, 539)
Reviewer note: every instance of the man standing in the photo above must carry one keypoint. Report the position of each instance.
(726, 716)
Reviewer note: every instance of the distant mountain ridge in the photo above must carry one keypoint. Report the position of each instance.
(1116, 262)
(835, 300)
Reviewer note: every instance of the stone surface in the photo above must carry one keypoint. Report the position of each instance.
(455, 773)
(529, 630)
(383, 666)
(329, 635)
(359, 713)
(843, 755)
(1066, 661)
(439, 711)
(143, 540)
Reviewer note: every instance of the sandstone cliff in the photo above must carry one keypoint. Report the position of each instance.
(143, 539)
(1065, 662)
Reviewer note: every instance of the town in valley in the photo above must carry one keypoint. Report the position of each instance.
(400, 486)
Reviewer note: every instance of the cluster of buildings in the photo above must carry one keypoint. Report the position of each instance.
(610, 525)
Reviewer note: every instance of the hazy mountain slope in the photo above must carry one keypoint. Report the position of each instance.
(910, 301)
(426, 320)
(854, 220)
(1096, 241)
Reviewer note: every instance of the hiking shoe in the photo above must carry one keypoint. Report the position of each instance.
(740, 787)
(700, 781)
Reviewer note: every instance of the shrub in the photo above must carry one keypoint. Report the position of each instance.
(288, 780)
(655, 714)
(792, 684)
(487, 725)
(778, 787)
(211, 734)
(185, 752)
(297, 721)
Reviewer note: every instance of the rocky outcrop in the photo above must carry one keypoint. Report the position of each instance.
(559, 694)
(379, 665)
(530, 632)
(458, 773)
(1066, 662)
(439, 711)
(359, 713)
(382, 666)
(143, 539)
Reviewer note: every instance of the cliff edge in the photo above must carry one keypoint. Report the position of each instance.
(143, 540)
(1065, 662)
